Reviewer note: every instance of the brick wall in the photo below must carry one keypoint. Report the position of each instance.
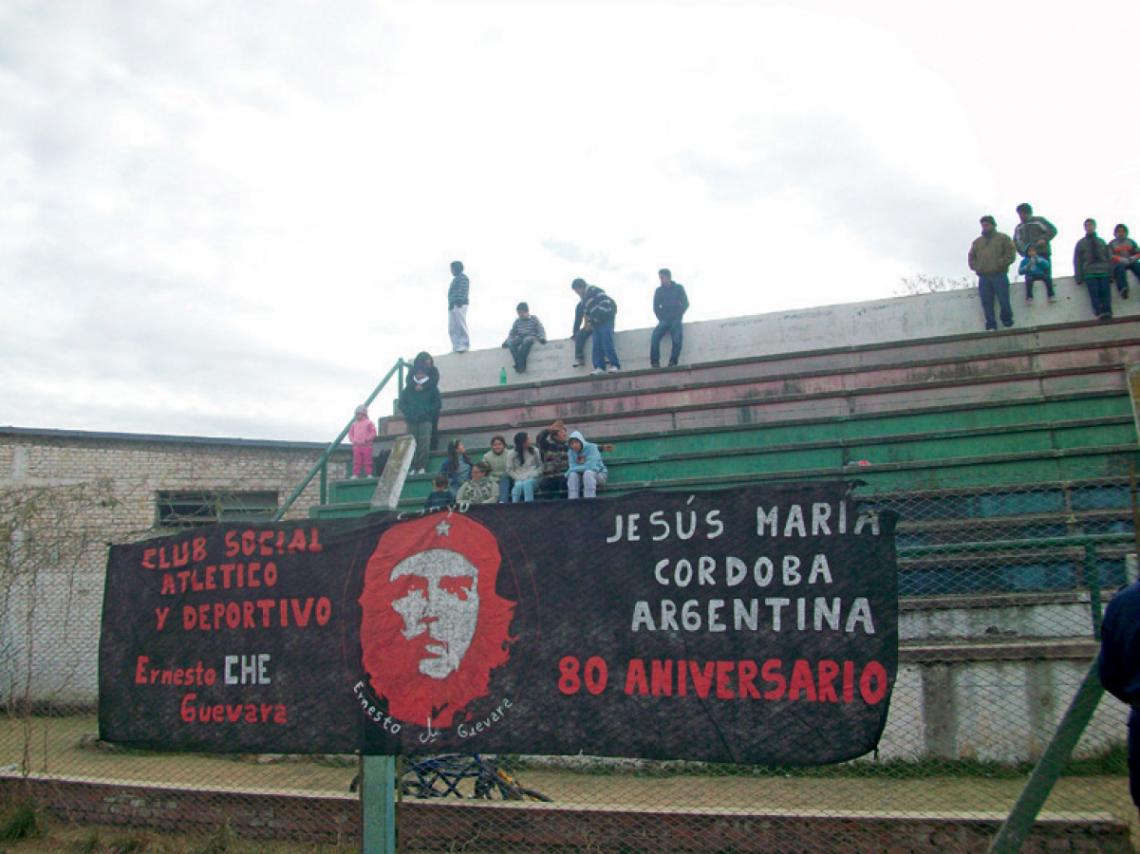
(451, 825)
(65, 496)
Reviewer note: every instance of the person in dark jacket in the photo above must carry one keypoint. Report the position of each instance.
(1119, 668)
(1092, 267)
(457, 298)
(424, 364)
(525, 331)
(1033, 231)
(1125, 257)
(457, 467)
(553, 451)
(420, 405)
(601, 310)
(669, 304)
(990, 256)
(580, 333)
(441, 496)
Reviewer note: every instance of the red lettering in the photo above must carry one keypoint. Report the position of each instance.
(140, 669)
(828, 671)
(635, 681)
(702, 677)
(199, 549)
(723, 677)
(746, 672)
(770, 673)
(801, 681)
(148, 559)
(661, 677)
(265, 543)
(873, 694)
(232, 546)
(849, 682)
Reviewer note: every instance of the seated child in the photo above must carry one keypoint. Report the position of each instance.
(441, 497)
(1036, 268)
(481, 489)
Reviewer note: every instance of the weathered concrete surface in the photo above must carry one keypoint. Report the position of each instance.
(926, 316)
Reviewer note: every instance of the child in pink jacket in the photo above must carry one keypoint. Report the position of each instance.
(361, 434)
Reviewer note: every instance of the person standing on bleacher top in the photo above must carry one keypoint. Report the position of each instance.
(419, 403)
(1092, 267)
(457, 299)
(669, 304)
(1119, 669)
(990, 257)
(601, 310)
(1033, 231)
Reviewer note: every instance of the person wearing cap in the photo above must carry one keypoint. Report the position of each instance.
(1092, 267)
(457, 299)
(600, 308)
(481, 489)
(990, 256)
(361, 434)
(419, 402)
(670, 302)
(1118, 666)
(525, 331)
(585, 471)
(1033, 231)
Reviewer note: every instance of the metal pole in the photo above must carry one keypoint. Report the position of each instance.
(1020, 819)
(378, 788)
(378, 805)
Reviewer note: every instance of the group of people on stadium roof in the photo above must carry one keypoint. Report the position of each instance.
(1095, 263)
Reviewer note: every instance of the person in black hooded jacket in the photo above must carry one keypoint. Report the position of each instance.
(424, 364)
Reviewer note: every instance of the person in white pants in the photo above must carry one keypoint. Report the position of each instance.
(586, 471)
(458, 293)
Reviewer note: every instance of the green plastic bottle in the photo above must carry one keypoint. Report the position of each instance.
(503, 375)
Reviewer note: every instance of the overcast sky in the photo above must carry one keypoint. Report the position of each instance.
(230, 218)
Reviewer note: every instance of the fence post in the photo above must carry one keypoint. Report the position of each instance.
(378, 805)
(1040, 783)
(378, 788)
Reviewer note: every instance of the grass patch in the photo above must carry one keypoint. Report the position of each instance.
(18, 822)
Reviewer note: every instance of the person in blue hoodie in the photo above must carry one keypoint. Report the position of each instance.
(1119, 669)
(586, 471)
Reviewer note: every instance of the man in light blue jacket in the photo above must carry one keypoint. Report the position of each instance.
(586, 469)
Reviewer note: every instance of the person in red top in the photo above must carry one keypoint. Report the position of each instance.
(362, 433)
(1125, 257)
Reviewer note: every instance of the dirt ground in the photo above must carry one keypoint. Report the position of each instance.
(62, 746)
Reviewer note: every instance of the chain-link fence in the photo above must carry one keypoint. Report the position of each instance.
(1001, 592)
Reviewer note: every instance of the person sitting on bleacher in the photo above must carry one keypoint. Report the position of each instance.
(585, 470)
(481, 489)
(552, 449)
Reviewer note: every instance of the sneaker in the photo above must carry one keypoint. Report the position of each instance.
(596, 371)
(1029, 299)
(576, 364)
(654, 365)
(613, 369)
(1124, 294)
(1052, 299)
(672, 364)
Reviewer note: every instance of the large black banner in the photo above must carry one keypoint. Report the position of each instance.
(751, 625)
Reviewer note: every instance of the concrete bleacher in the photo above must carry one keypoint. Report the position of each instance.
(992, 442)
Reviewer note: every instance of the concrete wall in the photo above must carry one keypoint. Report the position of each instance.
(849, 325)
(64, 496)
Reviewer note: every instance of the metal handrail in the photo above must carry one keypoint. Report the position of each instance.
(321, 464)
